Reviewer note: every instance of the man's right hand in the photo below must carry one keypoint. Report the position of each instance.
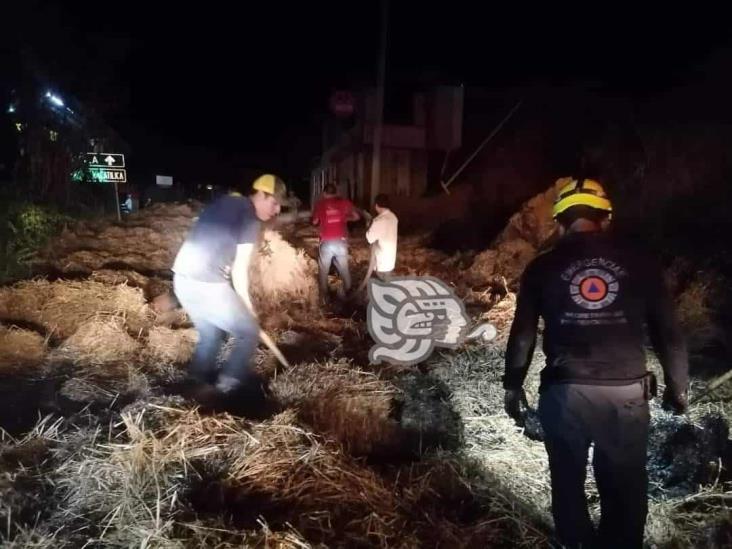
(512, 404)
(674, 402)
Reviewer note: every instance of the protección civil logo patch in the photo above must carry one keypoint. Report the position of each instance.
(594, 289)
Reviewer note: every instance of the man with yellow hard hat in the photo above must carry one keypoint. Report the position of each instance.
(595, 293)
(211, 281)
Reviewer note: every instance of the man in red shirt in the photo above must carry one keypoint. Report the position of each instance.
(332, 214)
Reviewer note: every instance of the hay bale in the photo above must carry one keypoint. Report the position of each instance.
(102, 375)
(697, 318)
(83, 261)
(528, 230)
(512, 258)
(98, 342)
(351, 406)
(113, 278)
(681, 452)
(281, 274)
(62, 306)
(147, 242)
(417, 259)
(295, 468)
(481, 272)
(24, 300)
(135, 490)
(20, 350)
(508, 260)
(167, 347)
(533, 222)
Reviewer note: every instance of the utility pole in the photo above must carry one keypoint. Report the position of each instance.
(379, 122)
(116, 200)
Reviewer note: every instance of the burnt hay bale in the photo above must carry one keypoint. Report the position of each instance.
(683, 455)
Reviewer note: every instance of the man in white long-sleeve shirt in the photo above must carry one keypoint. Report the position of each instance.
(382, 235)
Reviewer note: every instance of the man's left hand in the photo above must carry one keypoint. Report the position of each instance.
(512, 404)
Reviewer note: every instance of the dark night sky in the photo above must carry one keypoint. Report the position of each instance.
(218, 84)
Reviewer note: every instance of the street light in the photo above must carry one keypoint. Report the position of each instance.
(55, 99)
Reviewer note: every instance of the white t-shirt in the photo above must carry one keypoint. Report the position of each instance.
(383, 232)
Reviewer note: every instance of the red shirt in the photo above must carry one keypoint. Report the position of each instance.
(332, 215)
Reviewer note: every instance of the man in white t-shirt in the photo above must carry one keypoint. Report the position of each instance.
(382, 235)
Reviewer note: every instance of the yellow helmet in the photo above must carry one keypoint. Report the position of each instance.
(271, 184)
(580, 192)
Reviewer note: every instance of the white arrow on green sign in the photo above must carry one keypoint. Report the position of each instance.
(105, 160)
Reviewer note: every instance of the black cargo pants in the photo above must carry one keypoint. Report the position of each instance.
(614, 419)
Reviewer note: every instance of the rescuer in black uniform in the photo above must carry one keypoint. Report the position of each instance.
(595, 294)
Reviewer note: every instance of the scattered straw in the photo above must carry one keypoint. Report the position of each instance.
(30, 538)
(62, 306)
(338, 399)
(501, 316)
(113, 278)
(99, 341)
(515, 467)
(82, 390)
(147, 242)
(167, 347)
(292, 467)
(281, 274)
(132, 492)
(701, 330)
(20, 350)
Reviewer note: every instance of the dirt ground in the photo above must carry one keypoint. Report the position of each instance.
(103, 445)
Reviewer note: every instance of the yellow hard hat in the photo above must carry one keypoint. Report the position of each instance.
(580, 192)
(271, 184)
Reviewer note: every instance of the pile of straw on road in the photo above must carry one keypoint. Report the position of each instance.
(163, 474)
(21, 351)
(291, 467)
(347, 404)
(168, 347)
(100, 341)
(145, 242)
(528, 230)
(283, 278)
(62, 306)
(140, 487)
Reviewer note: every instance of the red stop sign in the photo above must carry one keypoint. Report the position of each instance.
(342, 103)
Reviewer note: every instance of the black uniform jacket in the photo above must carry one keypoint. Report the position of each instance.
(596, 294)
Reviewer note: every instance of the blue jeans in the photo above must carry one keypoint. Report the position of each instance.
(215, 310)
(333, 251)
